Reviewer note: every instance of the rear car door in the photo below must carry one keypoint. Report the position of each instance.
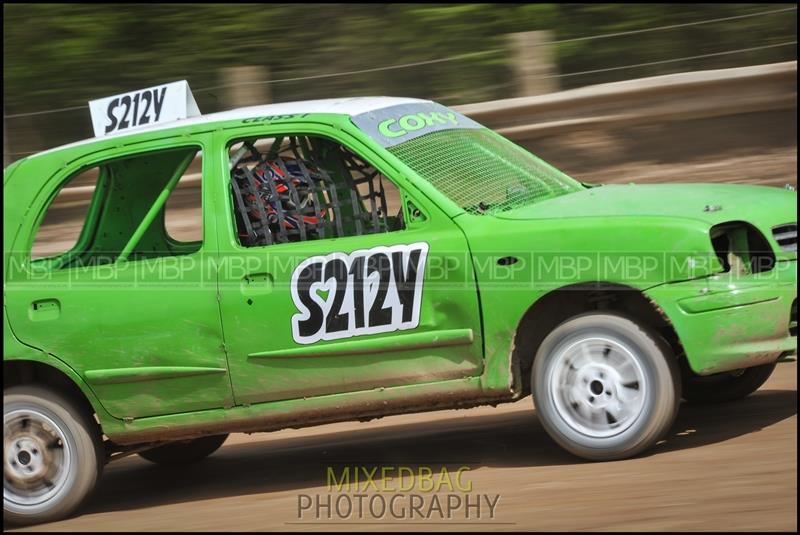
(131, 306)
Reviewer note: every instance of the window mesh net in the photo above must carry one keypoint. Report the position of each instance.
(481, 171)
(302, 188)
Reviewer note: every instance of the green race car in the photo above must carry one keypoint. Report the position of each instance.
(356, 258)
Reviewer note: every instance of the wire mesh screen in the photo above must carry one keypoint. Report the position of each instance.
(299, 188)
(481, 171)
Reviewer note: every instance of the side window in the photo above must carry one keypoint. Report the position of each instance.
(117, 208)
(65, 218)
(183, 218)
(300, 188)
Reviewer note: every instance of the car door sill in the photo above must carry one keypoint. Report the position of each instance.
(296, 413)
(381, 345)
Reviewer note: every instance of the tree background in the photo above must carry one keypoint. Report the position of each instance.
(63, 55)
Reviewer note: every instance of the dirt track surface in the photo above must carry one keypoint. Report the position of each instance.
(726, 467)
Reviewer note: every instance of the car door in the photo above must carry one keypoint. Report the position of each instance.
(143, 331)
(344, 311)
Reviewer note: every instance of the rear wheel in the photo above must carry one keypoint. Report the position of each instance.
(52, 455)
(604, 386)
(184, 451)
(726, 386)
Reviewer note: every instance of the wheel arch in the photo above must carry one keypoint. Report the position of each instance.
(60, 378)
(556, 306)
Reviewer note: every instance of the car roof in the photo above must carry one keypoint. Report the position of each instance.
(345, 106)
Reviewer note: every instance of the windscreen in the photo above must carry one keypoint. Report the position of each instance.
(476, 168)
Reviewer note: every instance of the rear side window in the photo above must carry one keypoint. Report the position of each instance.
(65, 217)
(104, 211)
(183, 216)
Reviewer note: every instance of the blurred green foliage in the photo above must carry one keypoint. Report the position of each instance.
(59, 55)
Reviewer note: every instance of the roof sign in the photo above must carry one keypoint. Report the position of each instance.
(154, 105)
(395, 124)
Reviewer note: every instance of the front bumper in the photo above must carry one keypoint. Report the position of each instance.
(726, 322)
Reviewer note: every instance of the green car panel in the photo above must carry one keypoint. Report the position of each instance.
(730, 323)
(263, 364)
(109, 334)
(214, 350)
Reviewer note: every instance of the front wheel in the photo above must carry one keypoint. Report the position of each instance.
(605, 387)
(52, 455)
(184, 451)
(726, 386)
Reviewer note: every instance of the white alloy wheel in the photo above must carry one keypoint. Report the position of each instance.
(604, 386)
(52, 455)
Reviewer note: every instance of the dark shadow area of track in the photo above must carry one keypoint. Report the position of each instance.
(514, 439)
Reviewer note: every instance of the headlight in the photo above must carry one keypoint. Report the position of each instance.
(741, 248)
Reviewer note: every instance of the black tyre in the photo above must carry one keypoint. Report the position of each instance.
(184, 451)
(53, 455)
(726, 386)
(605, 387)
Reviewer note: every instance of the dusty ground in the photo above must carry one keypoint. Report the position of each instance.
(726, 467)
